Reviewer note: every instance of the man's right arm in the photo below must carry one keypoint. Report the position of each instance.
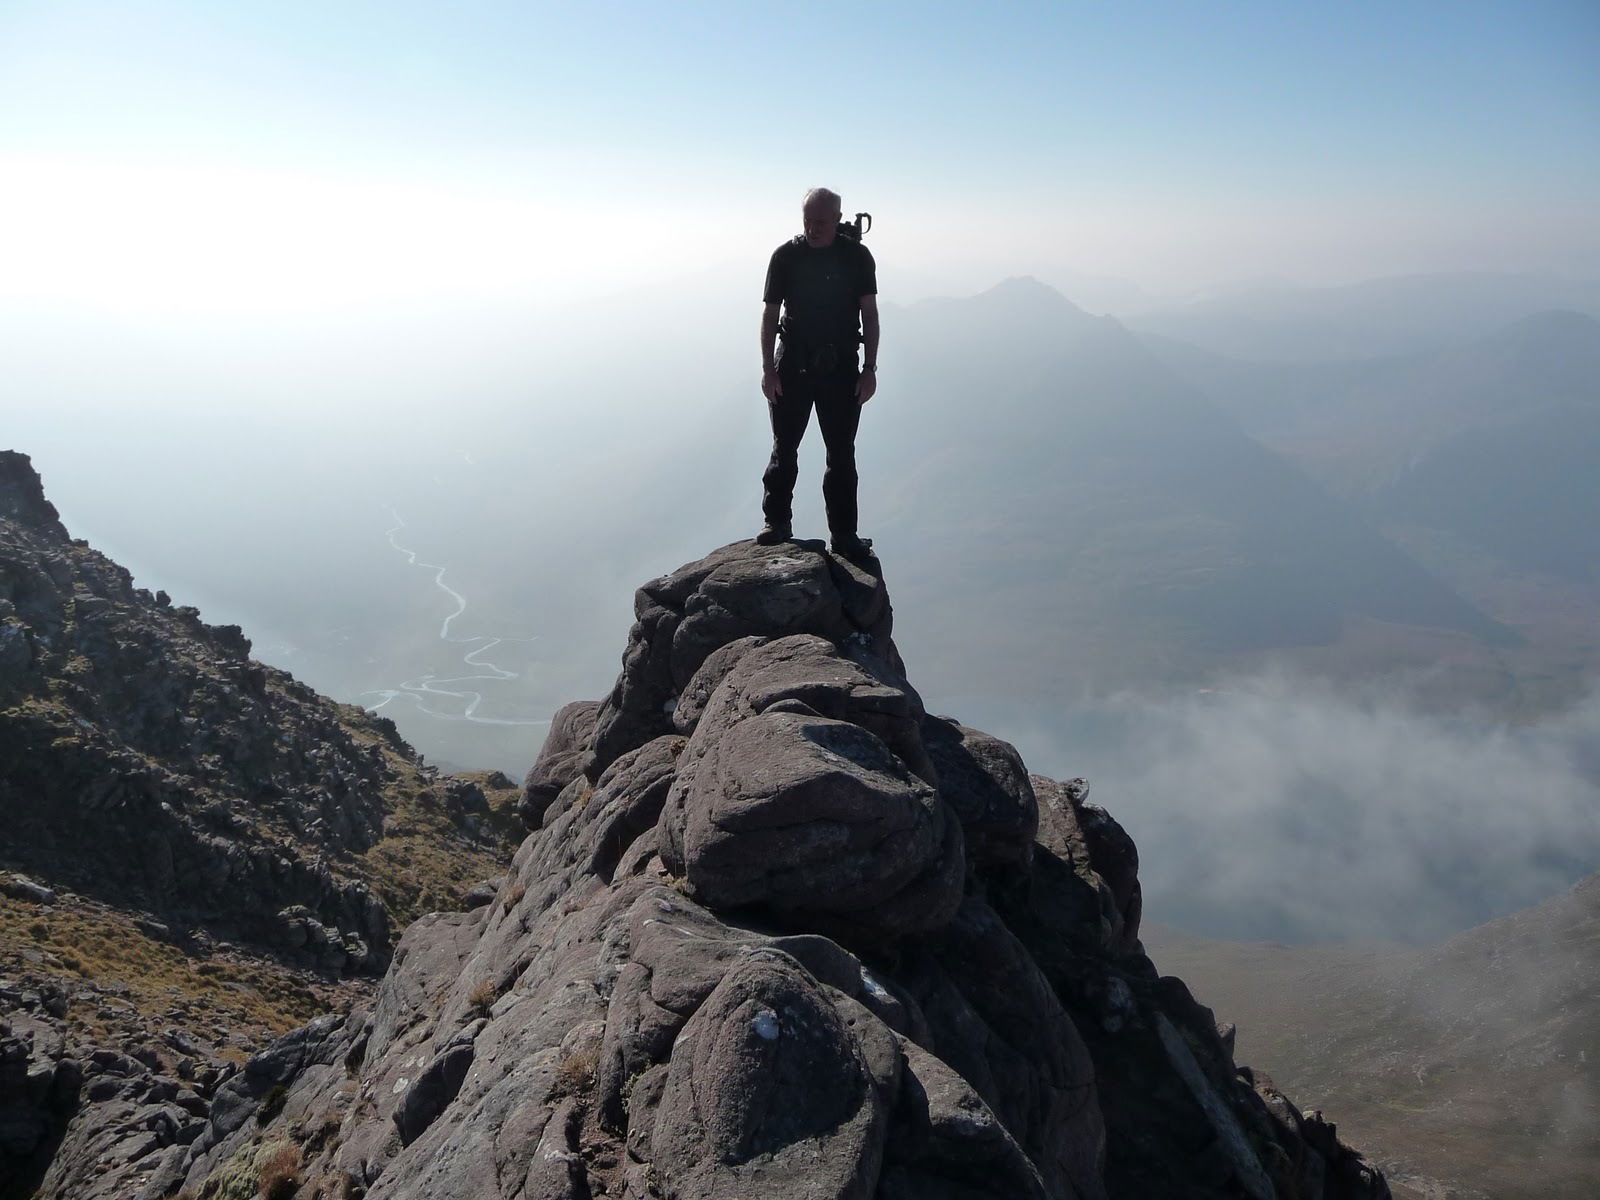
(771, 385)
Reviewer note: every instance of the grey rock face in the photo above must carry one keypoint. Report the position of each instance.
(986, 784)
(744, 955)
(100, 1126)
(567, 752)
(739, 591)
(767, 1085)
(22, 495)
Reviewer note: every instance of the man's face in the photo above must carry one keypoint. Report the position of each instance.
(821, 222)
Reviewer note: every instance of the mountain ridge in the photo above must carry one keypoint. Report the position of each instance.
(1159, 526)
(199, 854)
(769, 906)
(778, 930)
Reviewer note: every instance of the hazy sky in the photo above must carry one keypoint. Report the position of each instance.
(184, 160)
(273, 273)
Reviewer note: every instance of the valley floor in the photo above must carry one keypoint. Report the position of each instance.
(1467, 1070)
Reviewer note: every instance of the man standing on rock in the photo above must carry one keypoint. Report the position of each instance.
(827, 288)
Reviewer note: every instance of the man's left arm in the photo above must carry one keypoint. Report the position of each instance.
(868, 383)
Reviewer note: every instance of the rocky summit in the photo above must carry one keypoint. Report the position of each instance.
(777, 931)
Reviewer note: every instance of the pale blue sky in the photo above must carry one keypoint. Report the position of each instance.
(1175, 144)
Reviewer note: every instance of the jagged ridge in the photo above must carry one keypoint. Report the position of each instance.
(147, 760)
(779, 932)
(217, 854)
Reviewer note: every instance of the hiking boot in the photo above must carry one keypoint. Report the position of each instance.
(853, 548)
(773, 535)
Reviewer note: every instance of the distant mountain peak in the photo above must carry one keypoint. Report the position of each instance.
(1019, 288)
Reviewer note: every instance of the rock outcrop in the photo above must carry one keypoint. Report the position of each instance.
(147, 760)
(779, 932)
(197, 854)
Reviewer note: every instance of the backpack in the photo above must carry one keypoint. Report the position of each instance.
(857, 229)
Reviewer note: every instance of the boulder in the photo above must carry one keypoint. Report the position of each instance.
(815, 818)
(742, 590)
(768, 1092)
(983, 780)
(20, 887)
(566, 754)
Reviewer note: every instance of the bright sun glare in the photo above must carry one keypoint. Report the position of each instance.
(194, 241)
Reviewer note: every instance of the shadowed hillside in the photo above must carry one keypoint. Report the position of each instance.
(1087, 490)
(1479, 458)
(1470, 1065)
(199, 853)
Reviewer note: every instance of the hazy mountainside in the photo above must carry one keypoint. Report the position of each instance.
(1480, 458)
(1472, 1064)
(779, 932)
(1495, 442)
(1089, 490)
(148, 760)
(682, 431)
(198, 853)
(1374, 319)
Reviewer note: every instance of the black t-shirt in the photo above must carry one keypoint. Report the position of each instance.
(821, 290)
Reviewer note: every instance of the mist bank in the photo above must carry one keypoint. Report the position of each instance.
(1281, 807)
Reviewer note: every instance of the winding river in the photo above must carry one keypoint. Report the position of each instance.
(424, 688)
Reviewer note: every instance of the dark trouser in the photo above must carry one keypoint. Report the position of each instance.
(834, 397)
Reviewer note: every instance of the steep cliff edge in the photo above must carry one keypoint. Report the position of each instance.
(778, 932)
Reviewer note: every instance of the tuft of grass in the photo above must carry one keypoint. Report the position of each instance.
(280, 1174)
(575, 1074)
(482, 997)
(253, 1166)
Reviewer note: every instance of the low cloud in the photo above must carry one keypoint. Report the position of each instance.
(1280, 808)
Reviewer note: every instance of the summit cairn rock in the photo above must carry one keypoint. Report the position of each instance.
(778, 933)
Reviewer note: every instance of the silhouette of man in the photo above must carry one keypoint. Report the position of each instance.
(827, 288)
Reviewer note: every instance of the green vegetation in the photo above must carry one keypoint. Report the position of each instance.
(425, 861)
(270, 1170)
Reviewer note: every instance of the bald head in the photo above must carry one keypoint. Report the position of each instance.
(824, 197)
(821, 211)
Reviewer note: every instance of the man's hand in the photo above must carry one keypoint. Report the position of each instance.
(867, 385)
(771, 385)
